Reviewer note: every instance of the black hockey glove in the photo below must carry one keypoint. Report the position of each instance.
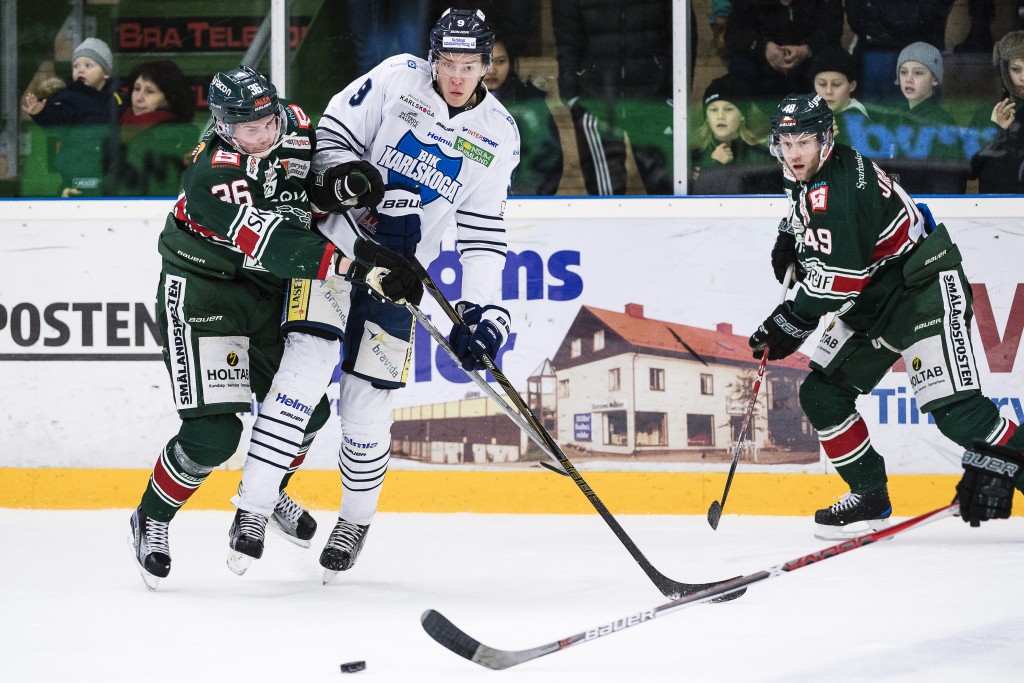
(783, 332)
(386, 273)
(396, 221)
(484, 331)
(784, 254)
(986, 490)
(338, 188)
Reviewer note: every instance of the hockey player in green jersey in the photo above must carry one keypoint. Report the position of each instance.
(241, 227)
(863, 251)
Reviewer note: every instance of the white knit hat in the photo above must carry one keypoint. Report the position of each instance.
(924, 53)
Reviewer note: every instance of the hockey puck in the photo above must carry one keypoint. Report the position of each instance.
(353, 667)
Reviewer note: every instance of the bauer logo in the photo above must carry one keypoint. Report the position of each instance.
(619, 624)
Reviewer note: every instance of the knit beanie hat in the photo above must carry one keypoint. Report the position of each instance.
(924, 53)
(1011, 46)
(834, 58)
(730, 90)
(96, 50)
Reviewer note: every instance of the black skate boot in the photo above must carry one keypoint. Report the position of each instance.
(342, 548)
(292, 521)
(148, 539)
(872, 508)
(248, 530)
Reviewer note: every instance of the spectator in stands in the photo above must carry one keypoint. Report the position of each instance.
(81, 117)
(771, 42)
(540, 165)
(926, 146)
(156, 134)
(834, 74)
(615, 75)
(979, 36)
(883, 29)
(730, 158)
(999, 167)
(718, 20)
(381, 28)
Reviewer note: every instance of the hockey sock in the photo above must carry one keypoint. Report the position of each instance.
(285, 416)
(188, 458)
(365, 447)
(849, 449)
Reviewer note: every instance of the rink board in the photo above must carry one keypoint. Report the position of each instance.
(85, 405)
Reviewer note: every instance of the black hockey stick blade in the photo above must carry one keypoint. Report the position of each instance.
(715, 514)
(450, 636)
(554, 469)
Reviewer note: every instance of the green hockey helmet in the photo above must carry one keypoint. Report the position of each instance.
(802, 114)
(241, 96)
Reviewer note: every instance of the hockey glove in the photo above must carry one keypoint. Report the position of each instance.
(784, 254)
(986, 490)
(397, 219)
(783, 332)
(332, 190)
(484, 331)
(386, 273)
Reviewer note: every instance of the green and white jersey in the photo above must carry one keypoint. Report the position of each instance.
(248, 217)
(852, 224)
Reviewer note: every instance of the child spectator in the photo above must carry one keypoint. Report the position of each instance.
(156, 134)
(835, 75)
(927, 146)
(81, 115)
(999, 167)
(731, 159)
(540, 166)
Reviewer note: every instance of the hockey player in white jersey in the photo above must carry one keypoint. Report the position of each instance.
(444, 150)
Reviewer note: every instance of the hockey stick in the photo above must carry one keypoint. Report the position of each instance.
(715, 511)
(670, 588)
(452, 637)
(486, 388)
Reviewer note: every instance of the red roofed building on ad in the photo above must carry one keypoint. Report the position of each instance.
(631, 385)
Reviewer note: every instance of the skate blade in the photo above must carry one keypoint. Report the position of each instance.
(329, 575)
(238, 562)
(824, 532)
(152, 582)
(274, 526)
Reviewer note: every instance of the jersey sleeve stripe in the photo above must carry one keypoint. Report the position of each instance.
(340, 129)
(467, 226)
(478, 215)
(325, 262)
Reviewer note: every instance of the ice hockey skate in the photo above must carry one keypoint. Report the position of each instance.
(342, 548)
(148, 539)
(292, 521)
(245, 538)
(853, 515)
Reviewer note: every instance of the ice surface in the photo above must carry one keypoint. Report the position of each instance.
(939, 603)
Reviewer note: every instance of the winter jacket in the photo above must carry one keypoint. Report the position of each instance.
(999, 165)
(613, 49)
(754, 23)
(894, 24)
(540, 165)
(752, 171)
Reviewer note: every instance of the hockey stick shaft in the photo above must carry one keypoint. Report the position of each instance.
(715, 511)
(451, 637)
(668, 587)
(482, 383)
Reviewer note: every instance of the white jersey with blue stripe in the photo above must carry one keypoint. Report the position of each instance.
(393, 118)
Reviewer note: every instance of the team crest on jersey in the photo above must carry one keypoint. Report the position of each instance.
(252, 168)
(222, 157)
(301, 120)
(425, 165)
(818, 199)
(270, 182)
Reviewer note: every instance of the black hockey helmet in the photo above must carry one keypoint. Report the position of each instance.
(240, 96)
(462, 30)
(798, 114)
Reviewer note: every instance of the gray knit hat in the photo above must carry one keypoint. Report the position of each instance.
(1010, 46)
(96, 50)
(924, 53)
